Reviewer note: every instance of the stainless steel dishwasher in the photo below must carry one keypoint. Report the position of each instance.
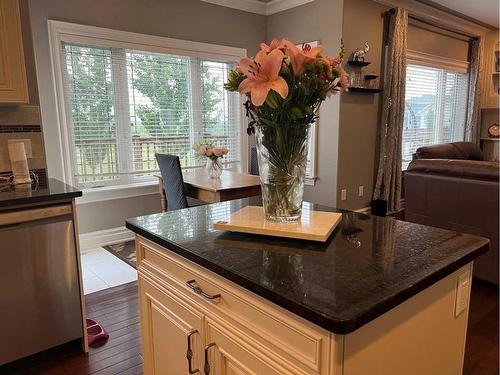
(40, 303)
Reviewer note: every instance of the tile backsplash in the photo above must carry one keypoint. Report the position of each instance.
(31, 132)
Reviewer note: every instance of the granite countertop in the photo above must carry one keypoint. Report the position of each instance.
(50, 190)
(368, 266)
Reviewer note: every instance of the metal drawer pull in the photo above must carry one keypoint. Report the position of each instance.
(189, 353)
(206, 368)
(198, 290)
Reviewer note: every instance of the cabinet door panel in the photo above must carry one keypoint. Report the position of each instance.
(13, 86)
(166, 322)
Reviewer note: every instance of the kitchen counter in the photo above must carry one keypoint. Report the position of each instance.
(368, 266)
(52, 190)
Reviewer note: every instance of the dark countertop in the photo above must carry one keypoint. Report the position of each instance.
(368, 266)
(51, 190)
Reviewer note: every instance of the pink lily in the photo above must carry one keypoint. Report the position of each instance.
(266, 49)
(332, 62)
(301, 56)
(263, 75)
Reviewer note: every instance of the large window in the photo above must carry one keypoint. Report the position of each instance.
(124, 105)
(435, 107)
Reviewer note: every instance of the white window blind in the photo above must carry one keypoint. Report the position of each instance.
(126, 105)
(435, 108)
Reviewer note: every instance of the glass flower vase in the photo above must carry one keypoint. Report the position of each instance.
(282, 158)
(214, 167)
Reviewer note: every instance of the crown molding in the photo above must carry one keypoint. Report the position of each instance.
(258, 7)
(277, 6)
(437, 17)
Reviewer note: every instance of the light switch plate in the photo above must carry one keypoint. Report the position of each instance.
(27, 145)
(462, 297)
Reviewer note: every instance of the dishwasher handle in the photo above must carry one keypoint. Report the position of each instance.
(33, 214)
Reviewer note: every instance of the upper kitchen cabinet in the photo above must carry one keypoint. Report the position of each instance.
(13, 82)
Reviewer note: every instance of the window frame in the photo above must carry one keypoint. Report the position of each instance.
(436, 62)
(60, 32)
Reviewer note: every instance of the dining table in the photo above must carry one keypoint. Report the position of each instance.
(230, 185)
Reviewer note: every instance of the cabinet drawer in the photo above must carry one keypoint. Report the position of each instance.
(300, 343)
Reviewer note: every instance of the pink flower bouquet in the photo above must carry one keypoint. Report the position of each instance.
(285, 86)
(213, 155)
(207, 149)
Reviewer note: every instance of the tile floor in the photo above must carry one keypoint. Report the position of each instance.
(102, 270)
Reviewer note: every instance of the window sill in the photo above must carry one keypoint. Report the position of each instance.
(107, 193)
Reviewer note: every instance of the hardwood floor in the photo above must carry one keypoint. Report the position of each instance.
(117, 310)
(481, 348)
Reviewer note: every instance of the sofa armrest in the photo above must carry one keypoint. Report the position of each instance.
(471, 169)
(454, 150)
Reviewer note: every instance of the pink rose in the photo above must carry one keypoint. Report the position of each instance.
(218, 151)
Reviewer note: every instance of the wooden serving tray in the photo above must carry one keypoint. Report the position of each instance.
(314, 225)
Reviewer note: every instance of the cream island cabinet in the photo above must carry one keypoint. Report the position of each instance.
(222, 303)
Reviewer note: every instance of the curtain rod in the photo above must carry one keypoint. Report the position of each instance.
(434, 24)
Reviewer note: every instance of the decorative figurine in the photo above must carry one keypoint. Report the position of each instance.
(360, 54)
(494, 131)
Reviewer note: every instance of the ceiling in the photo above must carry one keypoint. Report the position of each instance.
(486, 11)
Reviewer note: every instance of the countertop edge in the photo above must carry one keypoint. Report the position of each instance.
(341, 327)
(37, 199)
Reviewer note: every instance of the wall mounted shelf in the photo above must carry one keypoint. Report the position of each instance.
(367, 90)
(358, 63)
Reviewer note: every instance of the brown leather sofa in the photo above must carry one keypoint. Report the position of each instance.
(450, 186)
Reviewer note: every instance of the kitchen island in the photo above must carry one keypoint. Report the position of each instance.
(380, 296)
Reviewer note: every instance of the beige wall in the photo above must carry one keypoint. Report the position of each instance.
(183, 19)
(359, 112)
(109, 214)
(320, 20)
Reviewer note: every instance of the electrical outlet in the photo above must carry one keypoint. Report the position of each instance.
(27, 145)
(361, 190)
(343, 194)
(462, 296)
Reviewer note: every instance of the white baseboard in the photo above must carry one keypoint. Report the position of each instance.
(104, 237)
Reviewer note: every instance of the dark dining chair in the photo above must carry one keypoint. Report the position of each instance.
(173, 183)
